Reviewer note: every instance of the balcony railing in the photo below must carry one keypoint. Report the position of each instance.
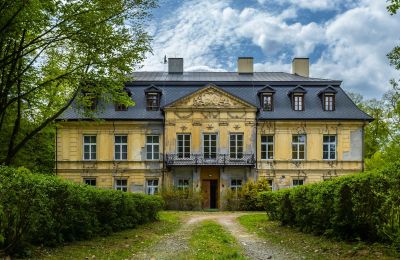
(216, 160)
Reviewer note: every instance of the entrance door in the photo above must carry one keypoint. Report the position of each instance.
(209, 190)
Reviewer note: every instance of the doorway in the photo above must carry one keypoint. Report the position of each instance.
(209, 190)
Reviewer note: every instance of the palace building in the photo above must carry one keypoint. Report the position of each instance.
(214, 131)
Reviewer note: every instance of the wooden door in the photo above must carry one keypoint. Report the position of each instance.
(205, 190)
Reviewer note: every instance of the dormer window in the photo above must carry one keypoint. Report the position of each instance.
(153, 95)
(327, 96)
(121, 107)
(297, 98)
(91, 99)
(266, 98)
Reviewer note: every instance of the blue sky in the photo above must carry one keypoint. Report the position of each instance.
(345, 40)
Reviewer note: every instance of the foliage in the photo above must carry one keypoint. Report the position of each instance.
(39, 209)
(363, 206)
(248, 197)
(181, 199)
(53, 51)
(393, 6)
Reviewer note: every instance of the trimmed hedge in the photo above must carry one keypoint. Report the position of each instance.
(45, 210)
(365, 206)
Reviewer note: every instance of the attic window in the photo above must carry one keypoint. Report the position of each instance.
(267, 102)
(329, 102)
(152, 101)
(121, 107)
(298, 102)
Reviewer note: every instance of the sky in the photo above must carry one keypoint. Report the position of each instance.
(345, 40)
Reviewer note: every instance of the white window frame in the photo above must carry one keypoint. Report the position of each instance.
(92, 146)
(210, 154)
(154, 155)
(90, 181)
(185, 149)
(237, 154)
(235, 187)
(120, 145)
(266, 144)
(298, 144)
(152, 188)
(271, 183)
(298, 182)
(265, 105)
(121, 187)
(329, 102)
(183, 184)
(329, 144)
(298, 101)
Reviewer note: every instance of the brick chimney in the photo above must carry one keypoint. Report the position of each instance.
(175, 65)
(301, 67)
(245, 65)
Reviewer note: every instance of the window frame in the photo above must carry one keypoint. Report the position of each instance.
(298, 144)
(152, 189)
(298, 182)
(329, 143)
(155, 97)
(152, 145)
(210, 153)
(90, 145)
(121, 187)
(329, 105)
(267, 144)
(237, 154)
(265, 97)
(296, 104)
(121, 107)
(181, 185)
(236, 187)
(120, 145)
(185, 154)
(90, 179)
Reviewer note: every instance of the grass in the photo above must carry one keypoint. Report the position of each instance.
(310, 246)
(120, 245)
(210, 241)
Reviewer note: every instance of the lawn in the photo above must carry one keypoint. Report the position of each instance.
(120, 245)
(310, 246)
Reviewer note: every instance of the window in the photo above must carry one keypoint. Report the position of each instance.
(236, 146)
(236, 185)
(183, 184)
(152, 147)
(329, 103)
(329, 147)
(297, 182)
(271, 184)
(121, 107)
(152, 101)
(121, 184)
(89, 147)
(210, 146)
(298, 102)
(267, 102)
(267, 147)
(90, 181)
(152, 186)
(298, 147)
(183, 145)
(121, 147)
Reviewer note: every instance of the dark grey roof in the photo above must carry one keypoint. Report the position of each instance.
(221, 77)
(244, 86)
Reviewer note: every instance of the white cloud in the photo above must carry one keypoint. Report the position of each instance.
(209, 35)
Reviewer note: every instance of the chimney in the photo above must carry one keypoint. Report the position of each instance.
(301, 67)
(245, 65)
(175, 65)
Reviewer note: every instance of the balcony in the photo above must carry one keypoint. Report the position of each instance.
(202, 160)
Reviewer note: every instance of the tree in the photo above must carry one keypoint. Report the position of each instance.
(52, 51)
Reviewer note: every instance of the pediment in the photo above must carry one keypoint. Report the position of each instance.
(210, 97)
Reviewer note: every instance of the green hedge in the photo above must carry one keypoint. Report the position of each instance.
(45, 210)
(363, 206)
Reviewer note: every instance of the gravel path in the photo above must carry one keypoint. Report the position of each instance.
(177, 243)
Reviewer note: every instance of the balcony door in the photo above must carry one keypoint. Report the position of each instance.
(210, 146)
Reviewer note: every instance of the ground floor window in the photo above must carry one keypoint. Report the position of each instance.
(152, 186)
(90, 181)
(183, 184)
(271, 184)
(236, 185)
(298, 182)
(121, 184)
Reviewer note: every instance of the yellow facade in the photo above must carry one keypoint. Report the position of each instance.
(209, 110)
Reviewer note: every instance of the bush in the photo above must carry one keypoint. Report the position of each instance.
(248, 198)
(364, 206)
(45, 210)
(178, 199)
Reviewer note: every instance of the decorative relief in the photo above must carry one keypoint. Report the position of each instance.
(223, 123)
(236, 115)
(210, 115)
(210, 127)
(237, 127)
(211, 98)
(196, 123)
(183, 115)
(183, 128)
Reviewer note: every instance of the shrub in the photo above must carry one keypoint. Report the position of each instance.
(363, 206)
(179, 199)
(41, 209)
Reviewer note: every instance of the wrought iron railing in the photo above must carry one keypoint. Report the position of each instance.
(174, 159)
